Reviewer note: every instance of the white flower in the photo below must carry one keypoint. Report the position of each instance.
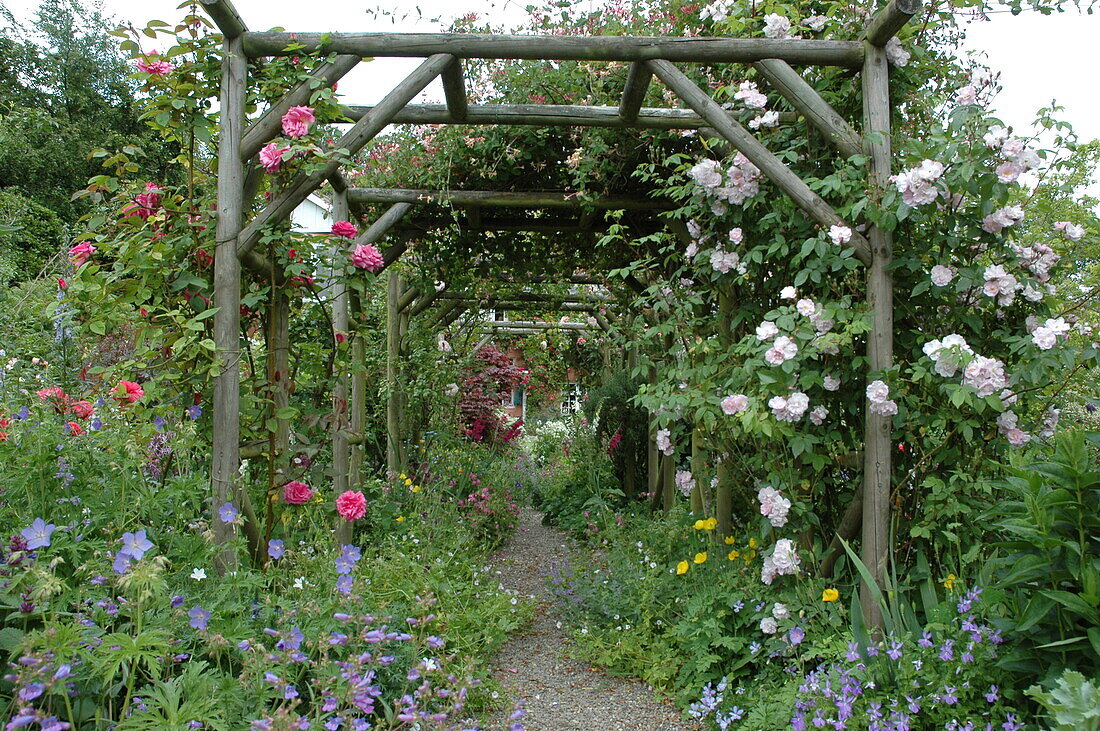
(776, 26)
(724, 261)
(773, 506)
(198, 574)
(451, 389)
(300, 582)
(995, 137)
(691, 250)
(831, 384)
(966, 96)
(780, 611)
(685, 483)
(782, 350)
(840, 234)
(1044, 338)
(766, 330)
(816, 22)
(707, 174)
(806, 307)
(769, 626)
(1072, 231)
(986, 375)
(664, 442)
(736, 235)
(942, 276)
(818, 415)
(767, 119)
(878, 392)
(750, 96)
(790, 408)
(734, 403)
(788, 293)
(895, 54)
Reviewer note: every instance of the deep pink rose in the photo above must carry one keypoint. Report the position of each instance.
(128, 392)
(271, 157)
(156, 68)
(346, 229)
(365, 256)
(297, 493)
(82, 409)
(351, 505)
(145, 204)
(81, 253)
(296, 121)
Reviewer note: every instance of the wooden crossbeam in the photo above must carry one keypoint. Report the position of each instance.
(226, 17)
(888, 21)
(407, 298)
(503, 199)
(811, 203)
(637, 82)
(260, 132)
(454, 89)
(353, 140)
(385, 222)
(534, 325)
(515, 225)
(426, 301)
(528, 297)
(797, 51)
(803, 97)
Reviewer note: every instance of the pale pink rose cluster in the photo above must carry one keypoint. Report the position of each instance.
(749, 95)
(718, 11)
(1007, 426)
(789, 408)
(1050, 423)
(788, 293)
(895, 54)
(776, 26)
(1045, 336)
(783, 561)
(840, 234)
(734, 403)
(942, 275)
(879, 401)
(734, 185)
(1000, 284)
(782, 350)
(726, 261)
(767, 119)
(1018, 157)
(769, 626)
(1073, 231)
(664, 442)
(766, 330)
(685, 483)
(818, 415)
(918, 185)
(1002, 218)
(948, 354)
(986, 375)
(773, 506)
(966, 96)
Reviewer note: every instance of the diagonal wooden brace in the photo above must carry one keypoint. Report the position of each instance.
(354, 140)
(267, 126)
(637, 82)
(454, 89)
(755, 151)
(803, 97)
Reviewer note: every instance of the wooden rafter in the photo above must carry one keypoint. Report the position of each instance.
(503, 199)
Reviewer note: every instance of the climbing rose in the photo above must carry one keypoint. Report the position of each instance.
(724, 261)
(685, 483)
(788, 293)
(790, 408)
(773, 506)
(818, 415)
(917, 185)
(81, 253)
(128, 392)
(947, 363)
(895, 54)
(297, 120)
(156, 68)
(840, 234)
(942, 276)
(766, 330)
(768, 626)
(664, 442)
(776, 26)
(351, 505)
(346, 229)
(966, 96)
(831, 384)
(735, 403)
(1073, 231)
(987, 375)
(297, 493)
(781, 351)
(271, 157)
(1006, 424)
(750, 95)
(806, 307)
(783, 560)
(365, 256)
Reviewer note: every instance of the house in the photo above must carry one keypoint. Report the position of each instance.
(312, 216)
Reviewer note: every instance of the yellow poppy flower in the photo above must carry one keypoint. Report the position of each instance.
(749, 556)
(710, 523)
(734, 555)
(415, 488)
(401, 519)
(753, 543)
(699, 524)
(830, 595)
(949, 582)
(403, 476)
(700, 557)
(408, 482)
(681, 568)
(728, 540)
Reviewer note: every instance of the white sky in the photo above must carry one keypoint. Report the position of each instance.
(1040, 57)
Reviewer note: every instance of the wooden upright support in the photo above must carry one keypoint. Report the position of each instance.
(225, 460)
(394, 452)
(880, 341)
(341, 462)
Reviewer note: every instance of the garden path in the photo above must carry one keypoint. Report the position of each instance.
(561, 693)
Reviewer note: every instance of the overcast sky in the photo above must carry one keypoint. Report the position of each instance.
(1040, 57)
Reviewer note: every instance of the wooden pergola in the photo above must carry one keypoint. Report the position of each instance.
(444, 57)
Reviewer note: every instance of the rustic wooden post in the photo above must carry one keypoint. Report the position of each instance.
(341, 467)
(225, 461)
(723, 498)
(394, 458)
(358, 391)
(880, 341)
(278, 379)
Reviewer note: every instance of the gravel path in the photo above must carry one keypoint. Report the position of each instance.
(560, 693)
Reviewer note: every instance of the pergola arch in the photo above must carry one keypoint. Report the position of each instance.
(444, 56)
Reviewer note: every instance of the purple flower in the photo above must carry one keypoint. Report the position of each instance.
(1010, 723)
(177, 601)
(738, 606)
(244, 645)
(63, 671)
(194, 412)
(122, 562)
(136, 544)
(344, 584)
(947, 651)
(344, 565)
(796, 635)
(38, 534)
(290, 693)
(31, 691)
(925, 639)
(276, 548)
(949, 698)
(853, 652)
(227, 513)
(158, 423)
(351, 552)
(894, 652)
(97, 580)
(51, 723)
(199, 617)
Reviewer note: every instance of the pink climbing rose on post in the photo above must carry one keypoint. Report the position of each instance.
(351, 505)
(296, 492)
(81, 253)
(297, 120)
(271, 157)
(346, 229)
(366, 256)
(156, 68)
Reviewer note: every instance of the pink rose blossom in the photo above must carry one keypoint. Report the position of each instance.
(271, 157)
(297, 120)
(80, 253)
(735, 403)
(966, 96)
(156, 68)
(128, 392)
(351, 505)
(297, 493)
(942, 276)
(347, 229)
(1072, 231)
(366, 256)
(840, 234)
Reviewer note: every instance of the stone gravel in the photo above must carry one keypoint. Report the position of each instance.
(560, 693)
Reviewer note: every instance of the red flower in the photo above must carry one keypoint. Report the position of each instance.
(74, 428)
(297, 493)
(81, 409)
(128, 392)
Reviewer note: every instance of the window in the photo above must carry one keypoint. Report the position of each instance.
(572, 396)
